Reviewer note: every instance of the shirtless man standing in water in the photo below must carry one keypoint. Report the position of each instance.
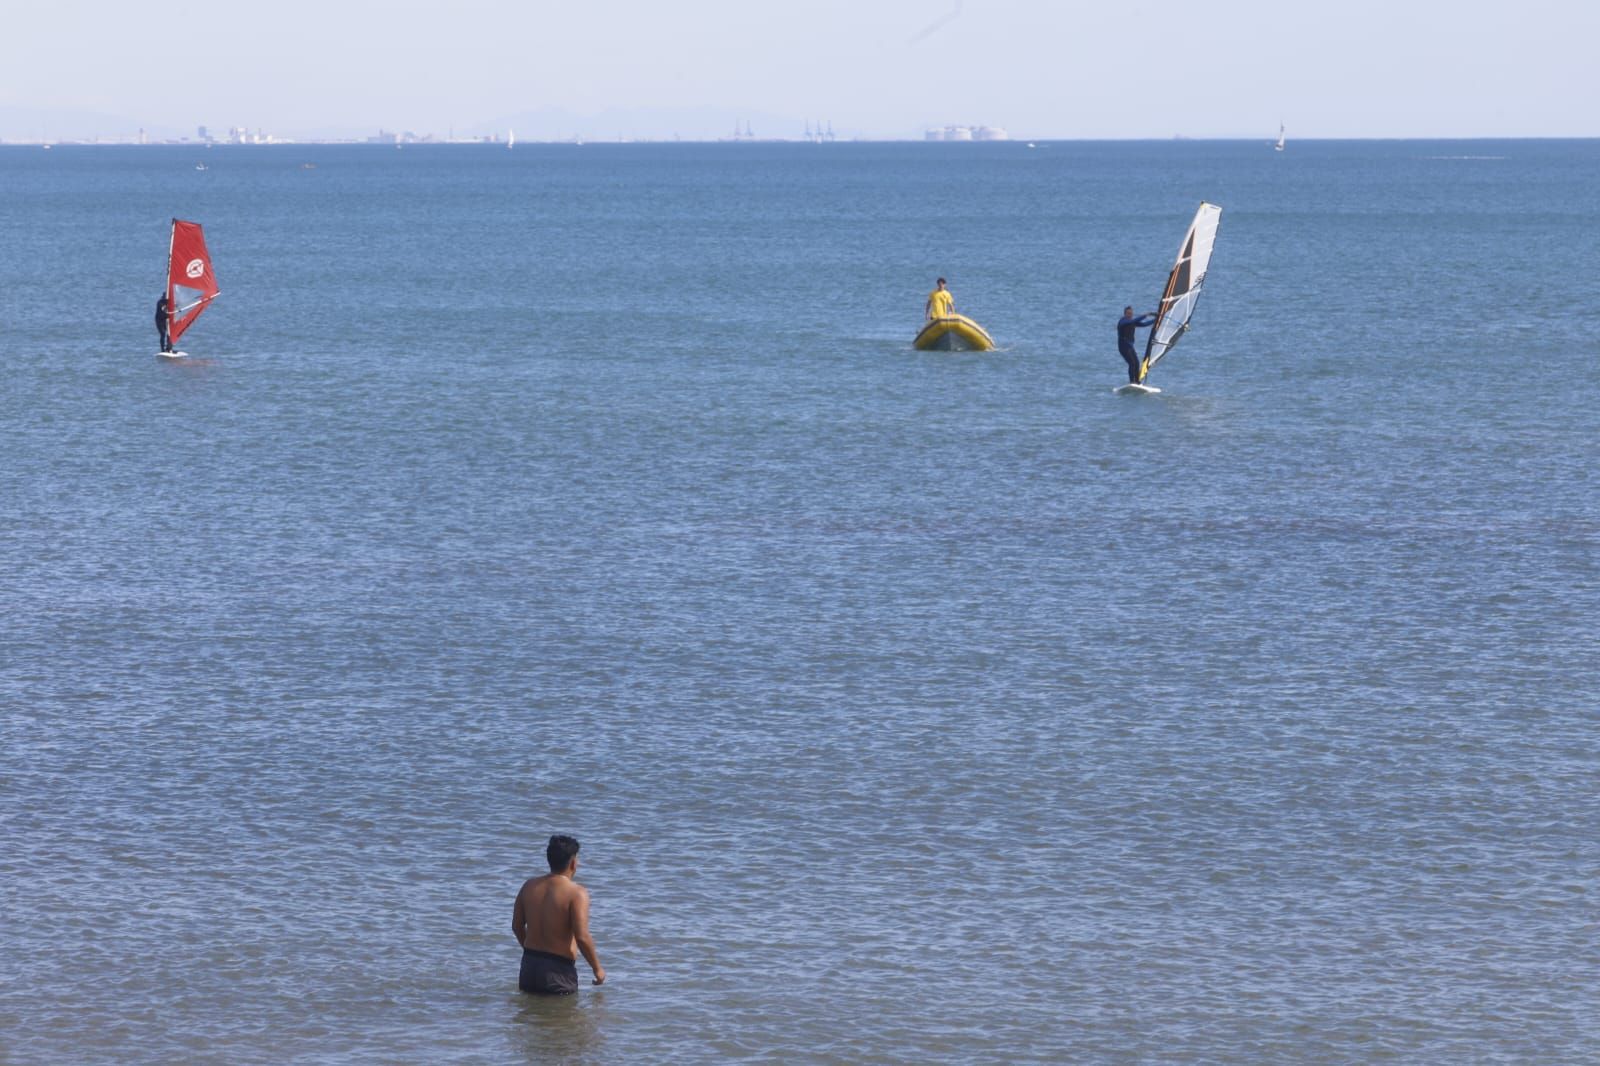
(551, 922)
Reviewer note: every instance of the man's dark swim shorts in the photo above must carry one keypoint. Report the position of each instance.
(545, 974)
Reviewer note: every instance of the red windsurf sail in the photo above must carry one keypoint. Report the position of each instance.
(191, 283)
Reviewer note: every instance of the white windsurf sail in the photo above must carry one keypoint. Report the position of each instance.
(1183, 287)
(1279, 145)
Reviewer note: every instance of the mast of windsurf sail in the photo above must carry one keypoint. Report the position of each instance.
(191, 282)
(171, 236)
(1183, 286)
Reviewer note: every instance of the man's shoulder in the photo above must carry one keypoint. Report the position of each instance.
(555, 885)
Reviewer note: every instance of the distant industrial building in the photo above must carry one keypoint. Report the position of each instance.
(242, 135)
(407, 137)
(966, 133)
(819, 135)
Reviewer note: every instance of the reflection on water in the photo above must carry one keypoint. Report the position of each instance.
(559, 1028)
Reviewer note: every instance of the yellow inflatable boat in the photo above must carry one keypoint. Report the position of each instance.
(953, 333)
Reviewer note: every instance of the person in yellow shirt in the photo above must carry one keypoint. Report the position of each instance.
(940, 303)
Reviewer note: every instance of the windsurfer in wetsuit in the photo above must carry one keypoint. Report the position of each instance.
(1125, 338)
(163, 323)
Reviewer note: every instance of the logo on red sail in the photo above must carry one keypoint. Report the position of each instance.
(195, 268)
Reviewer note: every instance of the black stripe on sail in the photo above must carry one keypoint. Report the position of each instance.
(1181, 271)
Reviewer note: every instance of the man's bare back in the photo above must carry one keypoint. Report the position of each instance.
(551, 915)
(547, 904)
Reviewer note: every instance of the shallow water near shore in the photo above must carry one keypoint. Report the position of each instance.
(909, 706)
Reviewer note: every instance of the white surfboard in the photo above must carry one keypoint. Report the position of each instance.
(172, 355)
(1131, 389)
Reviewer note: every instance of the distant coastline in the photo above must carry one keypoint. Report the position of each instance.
(703, 141)
(476, 142)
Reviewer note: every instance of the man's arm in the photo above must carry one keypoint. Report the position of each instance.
(519, 919)
(580, 933)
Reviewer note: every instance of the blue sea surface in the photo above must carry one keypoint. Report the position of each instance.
(910, 706)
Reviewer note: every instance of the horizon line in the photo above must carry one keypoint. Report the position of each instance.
(429, 141)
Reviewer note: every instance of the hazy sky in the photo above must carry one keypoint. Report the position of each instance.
(1155, 68)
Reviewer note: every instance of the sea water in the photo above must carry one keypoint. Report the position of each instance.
(909, 706)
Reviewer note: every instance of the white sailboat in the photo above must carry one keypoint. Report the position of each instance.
(1279, 146)
(511, 139)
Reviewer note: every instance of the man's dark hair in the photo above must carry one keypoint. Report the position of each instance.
(1128, 310)
(939, 282)
(560, 851)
